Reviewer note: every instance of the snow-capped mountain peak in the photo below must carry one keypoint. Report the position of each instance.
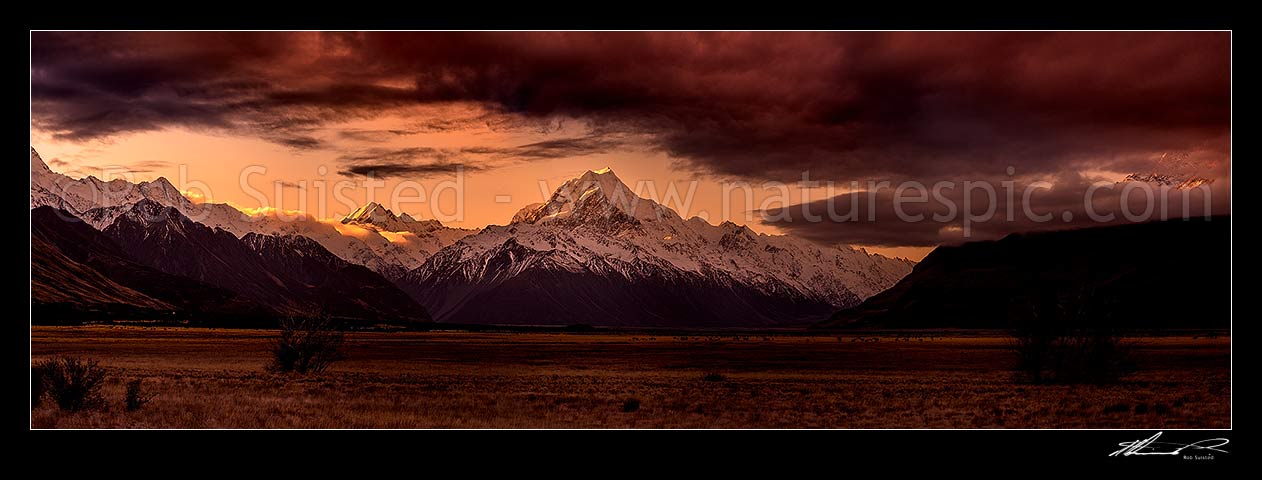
(380, 218)
(163, 192)
(38, 167)
(377, 217)
(417, 239)
(371, 212)
(598, 197)
(654, 268)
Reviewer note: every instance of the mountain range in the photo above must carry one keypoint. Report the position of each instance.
(79, 272)
(594, 253)
(372, 237)
(1160, 274)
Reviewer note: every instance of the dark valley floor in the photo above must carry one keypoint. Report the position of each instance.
(215, 378)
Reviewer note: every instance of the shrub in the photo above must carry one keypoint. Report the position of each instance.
(136, 398)
(307, 345)
(631, 405)
(73, 383)
(1070, 339)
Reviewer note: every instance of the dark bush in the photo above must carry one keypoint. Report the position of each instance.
(136, 398)
(714, 377)
(1069, 339)
(631, 405)
(73, 383)
(307, 345)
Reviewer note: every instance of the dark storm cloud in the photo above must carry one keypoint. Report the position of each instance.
(567, 147)
(854, 104)
(841, 105)
(407, 169)
(559, 148)
(919, 215)
(94, 85)
(297, 142)
(368, 136)
(745, 104)
(429, 160)
(395, 155)
(415, 162)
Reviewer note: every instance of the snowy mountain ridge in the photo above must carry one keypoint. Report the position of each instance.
(593, 226)
(389, 249)
(594, 252)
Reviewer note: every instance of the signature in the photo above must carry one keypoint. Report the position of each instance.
(1151, 446)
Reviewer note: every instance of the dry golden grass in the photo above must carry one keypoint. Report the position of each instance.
(215, 379)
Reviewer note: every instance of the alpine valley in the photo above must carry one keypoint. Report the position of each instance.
(594, 253)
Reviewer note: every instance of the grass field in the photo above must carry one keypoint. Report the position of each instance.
(205, 378)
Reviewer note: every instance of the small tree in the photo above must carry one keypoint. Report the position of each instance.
(306, 345)
(73, 383)
(1070, 338)
(136, 398)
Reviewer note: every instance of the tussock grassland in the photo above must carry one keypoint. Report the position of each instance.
(206, 378)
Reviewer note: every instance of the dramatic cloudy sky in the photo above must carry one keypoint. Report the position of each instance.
(517, 113)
